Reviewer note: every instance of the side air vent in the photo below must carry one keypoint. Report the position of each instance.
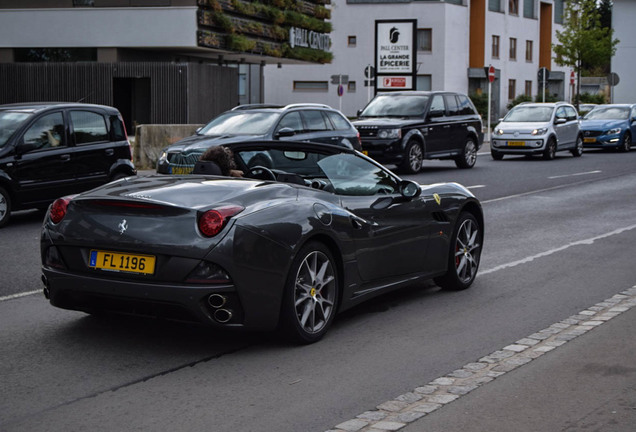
(440, 217)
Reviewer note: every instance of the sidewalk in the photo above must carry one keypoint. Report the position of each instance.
(576, 375)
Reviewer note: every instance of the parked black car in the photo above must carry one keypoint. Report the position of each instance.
(48, 150)
(404, 128)
(299, 122)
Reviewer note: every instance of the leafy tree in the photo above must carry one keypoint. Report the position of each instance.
(584, 42)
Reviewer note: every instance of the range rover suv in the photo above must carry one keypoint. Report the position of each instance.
(404, 128)
(48, 150)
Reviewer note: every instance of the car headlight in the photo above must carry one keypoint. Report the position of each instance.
(163, 158)
(539, 131)
(498, 131)
(613, 131)
(390, 133)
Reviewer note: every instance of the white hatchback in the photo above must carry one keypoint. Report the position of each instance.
(538, 129)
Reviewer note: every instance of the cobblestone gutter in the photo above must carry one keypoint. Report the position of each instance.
(409, 407)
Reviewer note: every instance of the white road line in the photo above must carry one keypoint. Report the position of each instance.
(528, 259)
(18, 295)
(575, 175)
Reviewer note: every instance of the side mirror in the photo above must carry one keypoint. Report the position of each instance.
(436, 113)
(285, 132)
(358, 113)
(409, 189)
(23, 147)
(560, 121)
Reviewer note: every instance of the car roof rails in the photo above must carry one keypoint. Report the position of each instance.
(300, 105)
(255, 106)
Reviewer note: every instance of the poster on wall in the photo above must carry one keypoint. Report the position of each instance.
(395, 54)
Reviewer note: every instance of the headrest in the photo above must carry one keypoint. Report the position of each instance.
(206, 167)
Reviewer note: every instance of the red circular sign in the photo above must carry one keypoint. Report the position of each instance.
(491, 73)
(340, 90)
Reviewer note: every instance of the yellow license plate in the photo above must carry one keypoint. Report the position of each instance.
(122, 262)
(181, 170)
(589, 140)
(516, 143)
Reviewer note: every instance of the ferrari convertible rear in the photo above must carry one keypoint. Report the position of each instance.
(311, 230)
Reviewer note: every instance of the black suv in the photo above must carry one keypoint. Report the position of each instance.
(48, 150)
(404, 128)
(298, 122)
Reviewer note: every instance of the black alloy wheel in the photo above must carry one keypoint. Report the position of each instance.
(311, 294)
(413, 158)
(5, 207)
(464, 254)
(469, 155)
(550, 150)
(626, 144)
(577, 151)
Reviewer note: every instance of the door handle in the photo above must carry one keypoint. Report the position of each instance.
(65, 157)
(110, 152)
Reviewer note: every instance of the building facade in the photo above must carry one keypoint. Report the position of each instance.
(157, 61)
(456, 40)
(624, 61)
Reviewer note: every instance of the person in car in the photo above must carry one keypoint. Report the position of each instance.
(223, 158)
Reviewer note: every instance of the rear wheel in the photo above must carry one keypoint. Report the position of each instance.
(311, 294)
(413, 158)
(626, 144)
(469, 155)
(578, 149)
(464, 254)
(550, 150)
(5, 207)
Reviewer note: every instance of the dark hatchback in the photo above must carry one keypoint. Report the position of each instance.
(298, 122)
(404, 128)
(48, 150)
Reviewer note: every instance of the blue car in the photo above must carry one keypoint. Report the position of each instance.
(609, 126)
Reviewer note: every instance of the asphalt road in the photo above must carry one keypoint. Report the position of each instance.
(559, 238)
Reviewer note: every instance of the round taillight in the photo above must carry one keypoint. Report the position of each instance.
(58, 209)
(212, 221)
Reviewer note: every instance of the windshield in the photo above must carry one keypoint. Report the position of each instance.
(396, 106)
(10, 121)
(341, 173)
(608, 113)
(529, 114)
(240, 123)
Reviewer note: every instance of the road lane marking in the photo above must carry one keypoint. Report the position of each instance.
(409, 407)
(531, 258)
(576, 174)
(18, 295)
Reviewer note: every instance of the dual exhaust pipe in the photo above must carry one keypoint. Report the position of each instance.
(221, 314)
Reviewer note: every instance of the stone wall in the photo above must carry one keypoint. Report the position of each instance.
(151, 139)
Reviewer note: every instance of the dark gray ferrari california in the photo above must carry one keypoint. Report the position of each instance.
(311, 229)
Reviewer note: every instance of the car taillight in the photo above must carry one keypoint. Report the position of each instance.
(212, 221)
(130, 149)
(58, 209)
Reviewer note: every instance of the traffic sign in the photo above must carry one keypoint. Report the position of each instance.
(543, 75)
(613, 79)
(572, 79)
(369, 72)
(490, 72)
(340, 90)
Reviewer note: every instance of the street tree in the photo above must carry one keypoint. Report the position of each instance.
(584, 40)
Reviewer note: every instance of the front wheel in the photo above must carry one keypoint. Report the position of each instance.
(5, 207)
(626, 144)
(469, 155)
(464, 254)
(311, 294)
(413, 158)
(550, 150)
(578, 149)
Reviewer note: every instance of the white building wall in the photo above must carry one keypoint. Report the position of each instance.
(99, 27)
(624, 61)
(447, 63)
